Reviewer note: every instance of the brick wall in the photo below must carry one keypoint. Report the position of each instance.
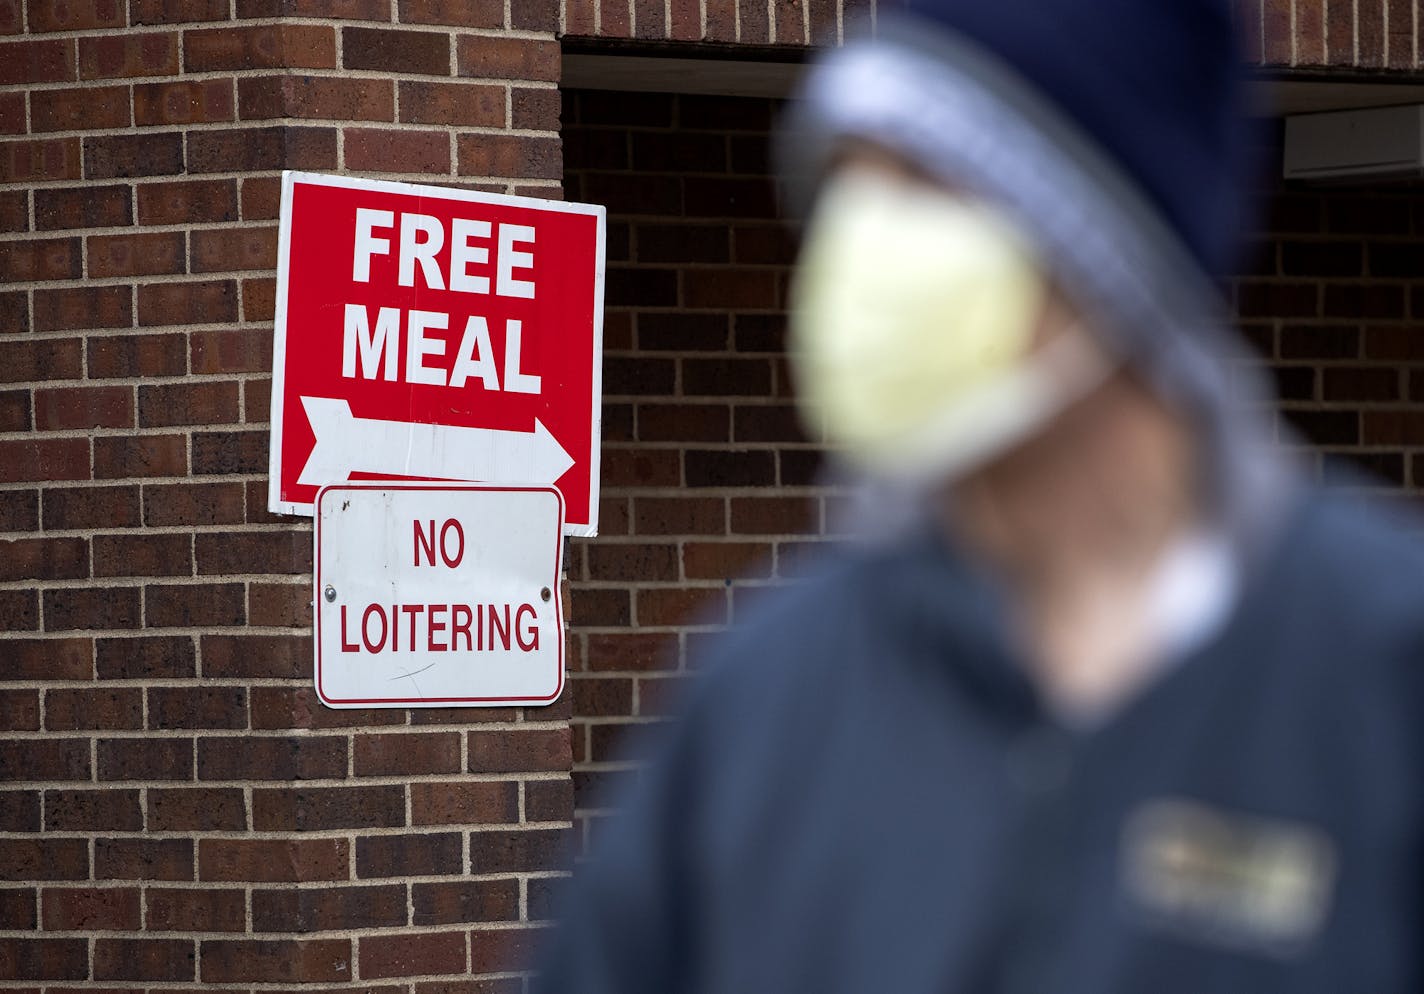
(1333, 297)
(1365, 34)
(746, 22)
(709, 482)
(176, 806)
(710, 486)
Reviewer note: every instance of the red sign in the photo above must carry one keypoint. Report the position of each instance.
(433, 334)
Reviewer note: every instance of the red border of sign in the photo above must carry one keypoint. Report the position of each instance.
(430, 701)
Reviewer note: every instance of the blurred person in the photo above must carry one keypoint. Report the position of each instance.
(1119, 703)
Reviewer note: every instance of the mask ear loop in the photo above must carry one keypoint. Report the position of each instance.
(994, 416)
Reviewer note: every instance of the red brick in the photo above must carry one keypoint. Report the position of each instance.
(90, 507)
(272, 860)
(193, 504)
(196, 809)
(448, 903)
(1369, 33)
(264, 758)
(14, 416)
(187, 910)
(648, 20)
(20, 812)
(69, 408)
(143, 859)
(146, 254)
(14, 209)
(19, 510)
(404, 52)
(38, 859)
(17, 909)
(302, 809)
(36, 61)
(261, 198)
(280, 46)
(76, 15)
(234, 249)
(144, 959)
(500, 950)
(465, 803)
(383, 150)
(96, 909)
(91, 608)
(406, 754)
(316, 97)
(11, 21)
(42, 159)
(524, 751)
(579, 17)
(184, 102)
(299, 707)
(127, 54)
(548, 800)
(528, 850)
(632, 562)
(20, 608)
(510, 155)
(631, 651)
(89, 708)
(141, 355)
(507, 58)
(187, 201)
(200, 402)
(187, 303)
(239, 351)
(259, 299)
(408, 855)
(41, 259)
(146, 657)
(458, 13)
(139, 456)
(661, 607)
(194, 604)
(281, 605)
(412, 954)
(228, 961)
(145, 759)
(614, 21)
(177, 11)
(279, 656)
(536, 15)
(309, 910)
(83, 307)
(467, 104)
(88, 206)
(49, 659)
(19, 711)
(147, 154)
(40, 359)
(261, 148)
(34, 958)
(348, 10)
(44, 559)
(679, 516)
(92, 811)
(45, 759)
(197, 707)
(142, 555)
(80, 108)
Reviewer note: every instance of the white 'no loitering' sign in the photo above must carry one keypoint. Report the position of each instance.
(438, 595)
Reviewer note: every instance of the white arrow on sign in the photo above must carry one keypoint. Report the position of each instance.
(346, 444)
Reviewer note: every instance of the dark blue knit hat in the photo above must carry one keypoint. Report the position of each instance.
(1155, 83)
(1112, 133)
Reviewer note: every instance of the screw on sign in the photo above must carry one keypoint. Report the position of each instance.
(434, 334)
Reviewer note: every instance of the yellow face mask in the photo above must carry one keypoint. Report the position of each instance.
(913, 316)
